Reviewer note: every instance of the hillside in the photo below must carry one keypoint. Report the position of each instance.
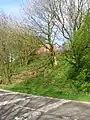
(40, 78)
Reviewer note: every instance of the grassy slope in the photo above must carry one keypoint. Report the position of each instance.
(52, 82)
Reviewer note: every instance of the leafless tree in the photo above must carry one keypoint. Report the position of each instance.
(67, 14)
(5, 70)
(16, 46)
(25, 42)
(54, 18)
(42, 22)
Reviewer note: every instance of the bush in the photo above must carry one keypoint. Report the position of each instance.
(80, 54)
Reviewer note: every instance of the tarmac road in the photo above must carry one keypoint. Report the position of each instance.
(19, 106)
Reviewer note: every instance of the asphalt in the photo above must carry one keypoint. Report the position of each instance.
(20, 106)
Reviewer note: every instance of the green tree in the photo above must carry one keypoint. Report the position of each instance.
(80, 56)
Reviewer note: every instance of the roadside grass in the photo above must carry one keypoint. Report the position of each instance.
(50, 82)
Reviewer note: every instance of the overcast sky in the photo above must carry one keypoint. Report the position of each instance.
(10, 6)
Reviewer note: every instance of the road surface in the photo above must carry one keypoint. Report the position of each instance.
(18, 106)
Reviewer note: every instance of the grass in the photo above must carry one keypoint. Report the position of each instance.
(51, 82)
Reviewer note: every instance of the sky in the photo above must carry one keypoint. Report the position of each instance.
(10, 7)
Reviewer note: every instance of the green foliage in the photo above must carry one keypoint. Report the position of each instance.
(17, 48)
(80, 54)
(17, 56)
(51, 82)
(48, 81)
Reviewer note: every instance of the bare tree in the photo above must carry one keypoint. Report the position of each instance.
(16, 46)
(68, 14)
(25, 42)
(5, 49)
(42, 22)
(53, 18)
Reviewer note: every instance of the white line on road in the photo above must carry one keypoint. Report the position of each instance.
(52, 106)
(2, 94)
(11, 101)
